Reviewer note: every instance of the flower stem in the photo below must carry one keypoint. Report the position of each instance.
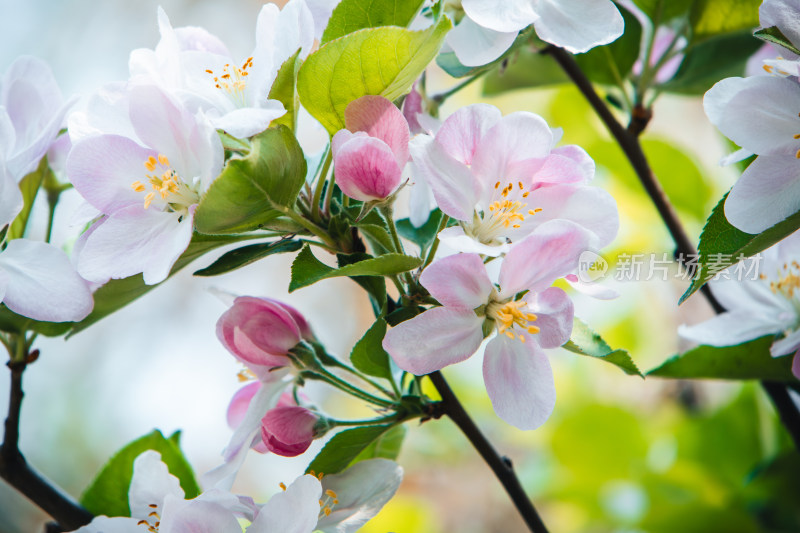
(501, 466)
(435, 244)
(320, 185)
(344, 386)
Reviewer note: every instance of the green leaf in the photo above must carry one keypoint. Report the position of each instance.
(584, 341)
(118, 293)
(284, 89)
(248, 254)
(368, 354)
(384, 61)
(750, 360)
(712, 60)
(664, 10)
(344, 447)
(378, 236)
(680, 176)
(307, 269)
(612, 63)
(714, 17)
(14, 323)
(425, 234)
(374, 285)
(387, 446)
(722, 245)
(527, 69)
(775, 36)
(108, 493)
(250, 190)
(353, 15)
(29, 185)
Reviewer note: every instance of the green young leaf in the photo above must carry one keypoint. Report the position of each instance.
(368, 354)
(775, 36)
(353, 15)
(248, 192)
(384, 61)
(344, 447)
(611, 64)
(708, 62)
(108, 493)
(584, 341)
(722, 245)
(14, 323)
(387, 446)
(118, 293)
(715, 17)
(284, 90)
(29, 185)
(425, 234)
(378, 237)
(248, 254)
(750, 360)
(448, 61)
(664, 10)
(526, 69)
(374, 285)
(307, 269)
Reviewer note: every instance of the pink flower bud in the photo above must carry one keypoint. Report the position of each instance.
(369, 156)
(289, 430)
(261, 331)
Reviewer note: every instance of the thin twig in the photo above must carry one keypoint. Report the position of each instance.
(16, 471)
(501, 466)
(787, 410)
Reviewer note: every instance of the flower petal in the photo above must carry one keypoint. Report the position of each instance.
(293, 511)
(197, 516)
(380, 118)
(438, 337)
(151, 484)
(455, 238)
(767, 193)
(787, 345)
(104, 524)
(366, 168)
(519, 382)
(784, 14)
(458, 280)
(248, 121)
(550, 252)
(475, 45)
(362, 490)
(728, 329)
(554, 314)
(463, 132)
(578, 25)
(42, 283)
(508, 15)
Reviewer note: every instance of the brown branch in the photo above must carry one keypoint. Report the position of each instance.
(16, 471)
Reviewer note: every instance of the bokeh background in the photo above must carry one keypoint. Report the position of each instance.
(619, 454)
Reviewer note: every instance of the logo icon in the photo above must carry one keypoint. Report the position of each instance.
(591, 267)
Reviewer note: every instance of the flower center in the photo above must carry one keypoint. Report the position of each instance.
(329, 498)
(507, 211)
(509, 315)
(152, 527)
(788, 282)
(167, 187)
(233, 79)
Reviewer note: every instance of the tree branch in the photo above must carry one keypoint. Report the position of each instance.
(501, 466)
(628, 140)
(16, 471)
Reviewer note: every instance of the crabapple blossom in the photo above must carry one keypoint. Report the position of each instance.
(146, 185)
(769, 305)
(489, 28)
(501, 177)
(369, 156)
(288, 430)
(515, 367)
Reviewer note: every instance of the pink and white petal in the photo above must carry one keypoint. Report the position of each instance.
(197, 516)
(554, 315)
(728, 329)
(380, 118)
(246, 122)
(463, 132)
(366, 169)
(135, 240)
(476, 45)
(117, 524)
(590, 207)
(552, 251)
(593, 289)
(42, 283)
(785, 14)
(458, 280)
(584, 168)
(516, 137)
(508, 15)
(420, 199)
(459, 241)
(362, 490)
(293, 511)
(437, 338)
(193, 38)
(755, 297)
(454, 188)
(239, 403)
(103, 168)
(767, 193)
(104, 112)
(787, 345)
(10, 196)
(321, 11)
(578, 25)
(756, 112)
(519, 382)
(412, 106)
(151, 484)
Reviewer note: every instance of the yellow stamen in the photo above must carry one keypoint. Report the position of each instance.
(282, 485)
